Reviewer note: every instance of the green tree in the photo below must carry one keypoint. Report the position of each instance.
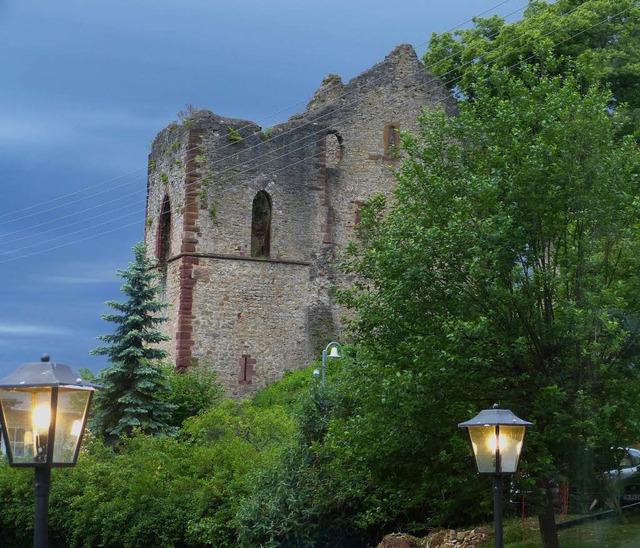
(134, 388)
(192, 391)
(505, 270)
(600, 39)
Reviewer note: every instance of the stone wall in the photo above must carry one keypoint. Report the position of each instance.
(253, 317)
(251, 309)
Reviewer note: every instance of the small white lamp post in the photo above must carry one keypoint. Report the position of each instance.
(43, 413)
(330, 351)
(496, 436)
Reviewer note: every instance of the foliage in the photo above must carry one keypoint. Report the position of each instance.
(134, 388)
(598, 39)
(352, 475)
(192, 391)
(288, 392)
(505, 270)
(296, 501)
(187, 116)
(234, 135)
(595, 37)
(213, 212)
(153, 491)
(16, 505)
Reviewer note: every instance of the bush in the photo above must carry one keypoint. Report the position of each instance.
(16, 505)
(192, 391)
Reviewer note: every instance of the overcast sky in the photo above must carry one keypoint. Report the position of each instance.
(86, 86)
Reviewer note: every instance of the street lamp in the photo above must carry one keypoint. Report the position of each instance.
(43, 413)
(334, 353)
(496, 437)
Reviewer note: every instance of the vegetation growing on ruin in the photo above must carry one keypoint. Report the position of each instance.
(187, 116)
(234, 135)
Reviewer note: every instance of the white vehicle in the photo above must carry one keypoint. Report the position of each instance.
(628, 473)
(629, 464)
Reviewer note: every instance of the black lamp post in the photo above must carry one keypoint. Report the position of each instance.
(496, 437)
(43, 413)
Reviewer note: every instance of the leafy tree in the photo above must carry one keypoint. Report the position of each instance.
(192, 391)
(505, 270)
(600, 39)
(169, 491)
(163, 491)
(134, 387)
(16, 505)
(299, 499)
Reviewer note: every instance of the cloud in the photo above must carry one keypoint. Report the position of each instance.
(77, 280)
(55, 125)
(21, 131)
(83, 273)
(29, 330)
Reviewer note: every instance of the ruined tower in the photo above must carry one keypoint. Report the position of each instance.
(247, 225)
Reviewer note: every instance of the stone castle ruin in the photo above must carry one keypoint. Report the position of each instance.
(248, 225)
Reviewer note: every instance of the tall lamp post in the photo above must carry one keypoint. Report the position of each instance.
(496, 438)
(43, 414)
(330, 351)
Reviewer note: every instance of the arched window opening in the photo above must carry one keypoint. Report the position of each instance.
(333, 149)
(163, 246)
(391, 138)
(261, 225)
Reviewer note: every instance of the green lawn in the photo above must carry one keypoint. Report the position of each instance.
(623, 532)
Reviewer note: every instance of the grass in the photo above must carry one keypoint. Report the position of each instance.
(621, 532)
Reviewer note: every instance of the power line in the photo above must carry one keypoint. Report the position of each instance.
(67, 244)
(98, 185)
(56, 238)
(346, 119)
(69, 216)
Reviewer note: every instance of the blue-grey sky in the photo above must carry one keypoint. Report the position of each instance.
(86, 86)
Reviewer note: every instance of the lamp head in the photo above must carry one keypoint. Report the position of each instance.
(43, 412)
(496, 436)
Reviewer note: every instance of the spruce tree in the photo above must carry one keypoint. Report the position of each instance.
(135, 387)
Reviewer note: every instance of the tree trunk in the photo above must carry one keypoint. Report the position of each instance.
(547, 522)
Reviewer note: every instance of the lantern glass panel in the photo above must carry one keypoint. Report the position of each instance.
(511, 438)
(483, 443)
(70, 419)
(486, 440)
(26, 415)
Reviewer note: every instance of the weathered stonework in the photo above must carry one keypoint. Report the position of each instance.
(252, 318)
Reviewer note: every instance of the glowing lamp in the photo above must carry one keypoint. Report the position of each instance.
(496, 437)
(43, 410)
(43, 413)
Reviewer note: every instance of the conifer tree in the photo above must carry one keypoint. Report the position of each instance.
(134, 386)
